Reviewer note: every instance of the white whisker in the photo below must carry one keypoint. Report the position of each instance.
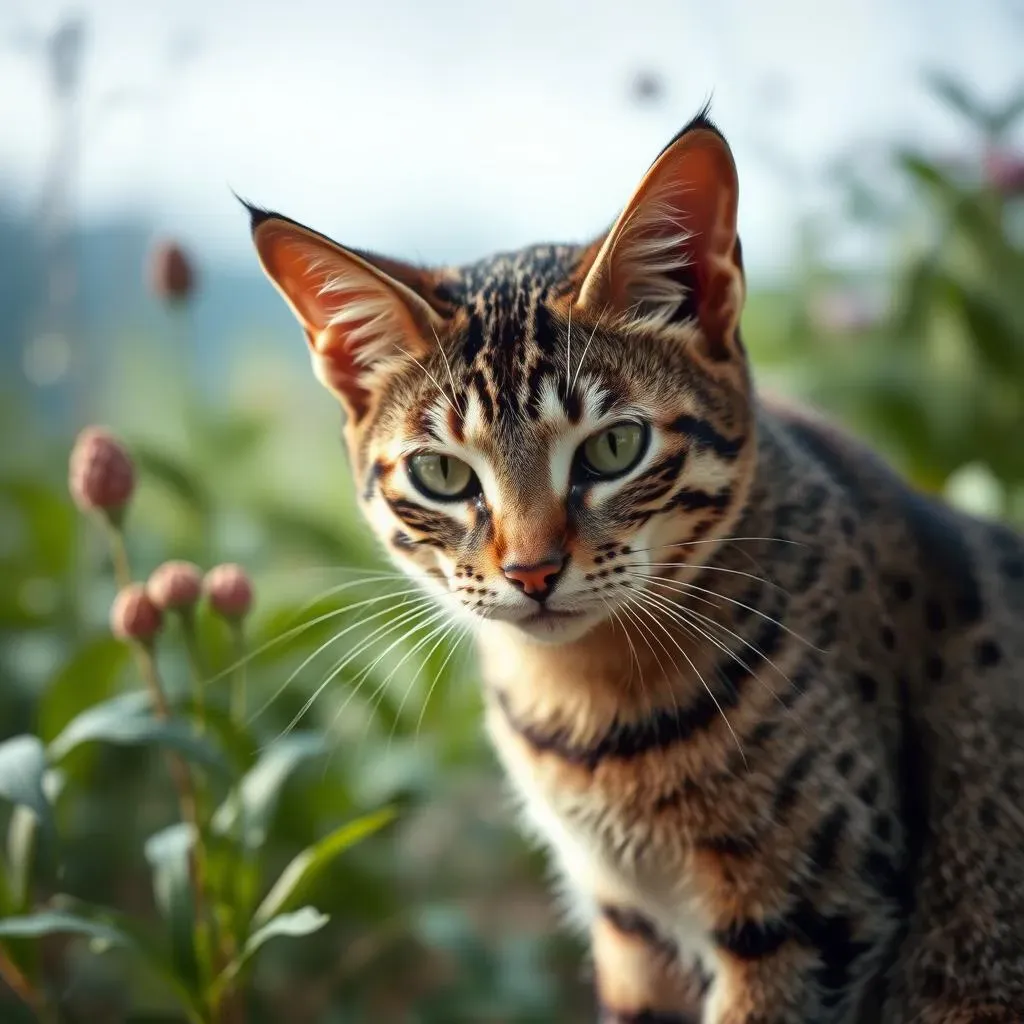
(641, 596)
(337, 636)
(680, 585)
(702, 568)
(418, 611)
(440, 390)
(586, 349)
(437, 675)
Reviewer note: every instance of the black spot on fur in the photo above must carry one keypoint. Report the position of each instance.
(789, 785)
(631, 922)
(824, 844)
(988, 653)
(752, 940)
(934, 616)
(868, 790)
(868, 687)
(474, 339)
(832, 936)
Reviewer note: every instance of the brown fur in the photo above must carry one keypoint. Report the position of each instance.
(776, 751)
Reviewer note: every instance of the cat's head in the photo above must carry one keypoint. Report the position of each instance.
(537, 434)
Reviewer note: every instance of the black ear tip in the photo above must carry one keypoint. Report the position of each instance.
(700, 121)
(257, 214)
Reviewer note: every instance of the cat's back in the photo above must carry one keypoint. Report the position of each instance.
(949, 592)
(952, 583)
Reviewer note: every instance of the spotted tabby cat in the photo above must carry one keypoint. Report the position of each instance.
(764, 704)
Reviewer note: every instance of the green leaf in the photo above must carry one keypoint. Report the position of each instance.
(23, 830)
(123, 721)
(1003, 120)
(49, 520)
(105, 929)
(303, 921)
(169, 852)
(261, 787)
(296, 924)
(88, 677)
(322, 539)
(998, 342)
(311, 862)
(22, 768)
(51, 922)
(957, 97)
(172, 475)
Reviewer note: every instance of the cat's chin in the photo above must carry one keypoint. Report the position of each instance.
(553, 628)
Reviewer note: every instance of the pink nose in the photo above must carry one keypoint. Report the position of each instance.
(536, 581)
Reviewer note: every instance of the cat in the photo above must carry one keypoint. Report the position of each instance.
(760, 699)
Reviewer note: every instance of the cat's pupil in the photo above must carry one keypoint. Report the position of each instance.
(613, 442)
(444, 467)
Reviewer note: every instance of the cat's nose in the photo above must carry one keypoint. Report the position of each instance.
(537, 580)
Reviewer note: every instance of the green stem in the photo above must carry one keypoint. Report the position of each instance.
(19, 984)
(119, 553)
(189, 807)
(181, 775)
(197, 666)
(238, 680)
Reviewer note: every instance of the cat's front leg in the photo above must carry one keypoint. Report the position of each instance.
(639, 975)
(808, 972)
(761, 993)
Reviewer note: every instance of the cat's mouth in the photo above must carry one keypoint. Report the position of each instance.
(547, 615)
(550, 626)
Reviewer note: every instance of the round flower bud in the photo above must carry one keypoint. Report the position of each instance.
(101, 474)
(133, 615)
(171, 275)
(229, 589)
(175, 586)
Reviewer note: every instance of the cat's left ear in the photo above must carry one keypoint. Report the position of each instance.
(674, 253)
(358, 313)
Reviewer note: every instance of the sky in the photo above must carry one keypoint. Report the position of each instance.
(441, 130)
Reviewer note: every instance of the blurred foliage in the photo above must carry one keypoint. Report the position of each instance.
(354, 701)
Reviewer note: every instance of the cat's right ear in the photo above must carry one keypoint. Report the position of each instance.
(357, 317)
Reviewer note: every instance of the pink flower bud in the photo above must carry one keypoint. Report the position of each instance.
(101, 474)
(133, 615)
(175, 586)
(171, 274)
(1004, 172)
(229, 589)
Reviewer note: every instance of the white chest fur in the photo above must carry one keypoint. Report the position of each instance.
(603, 851)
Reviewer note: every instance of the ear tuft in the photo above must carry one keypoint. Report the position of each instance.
(257, 214)
(673, 254)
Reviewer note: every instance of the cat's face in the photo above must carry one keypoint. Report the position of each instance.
(539, 435)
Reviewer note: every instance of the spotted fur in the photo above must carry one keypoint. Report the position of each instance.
(767, 713)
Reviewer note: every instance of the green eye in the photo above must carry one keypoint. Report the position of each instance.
(442, 476)
(614, 451)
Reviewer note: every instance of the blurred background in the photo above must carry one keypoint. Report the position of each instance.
(881, 154)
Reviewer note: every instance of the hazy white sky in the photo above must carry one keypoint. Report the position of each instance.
(440, 129)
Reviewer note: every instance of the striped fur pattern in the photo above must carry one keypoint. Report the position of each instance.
(768, 716)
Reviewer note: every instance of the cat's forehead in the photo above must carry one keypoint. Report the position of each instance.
(501, 296)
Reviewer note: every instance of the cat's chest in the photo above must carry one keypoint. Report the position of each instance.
(609, 845)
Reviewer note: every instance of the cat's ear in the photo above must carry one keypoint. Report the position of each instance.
(357, 316)
(674, 253)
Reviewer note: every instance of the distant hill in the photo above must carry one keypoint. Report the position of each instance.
(113, 302)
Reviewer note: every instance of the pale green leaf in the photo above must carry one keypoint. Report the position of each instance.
(304, 869)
